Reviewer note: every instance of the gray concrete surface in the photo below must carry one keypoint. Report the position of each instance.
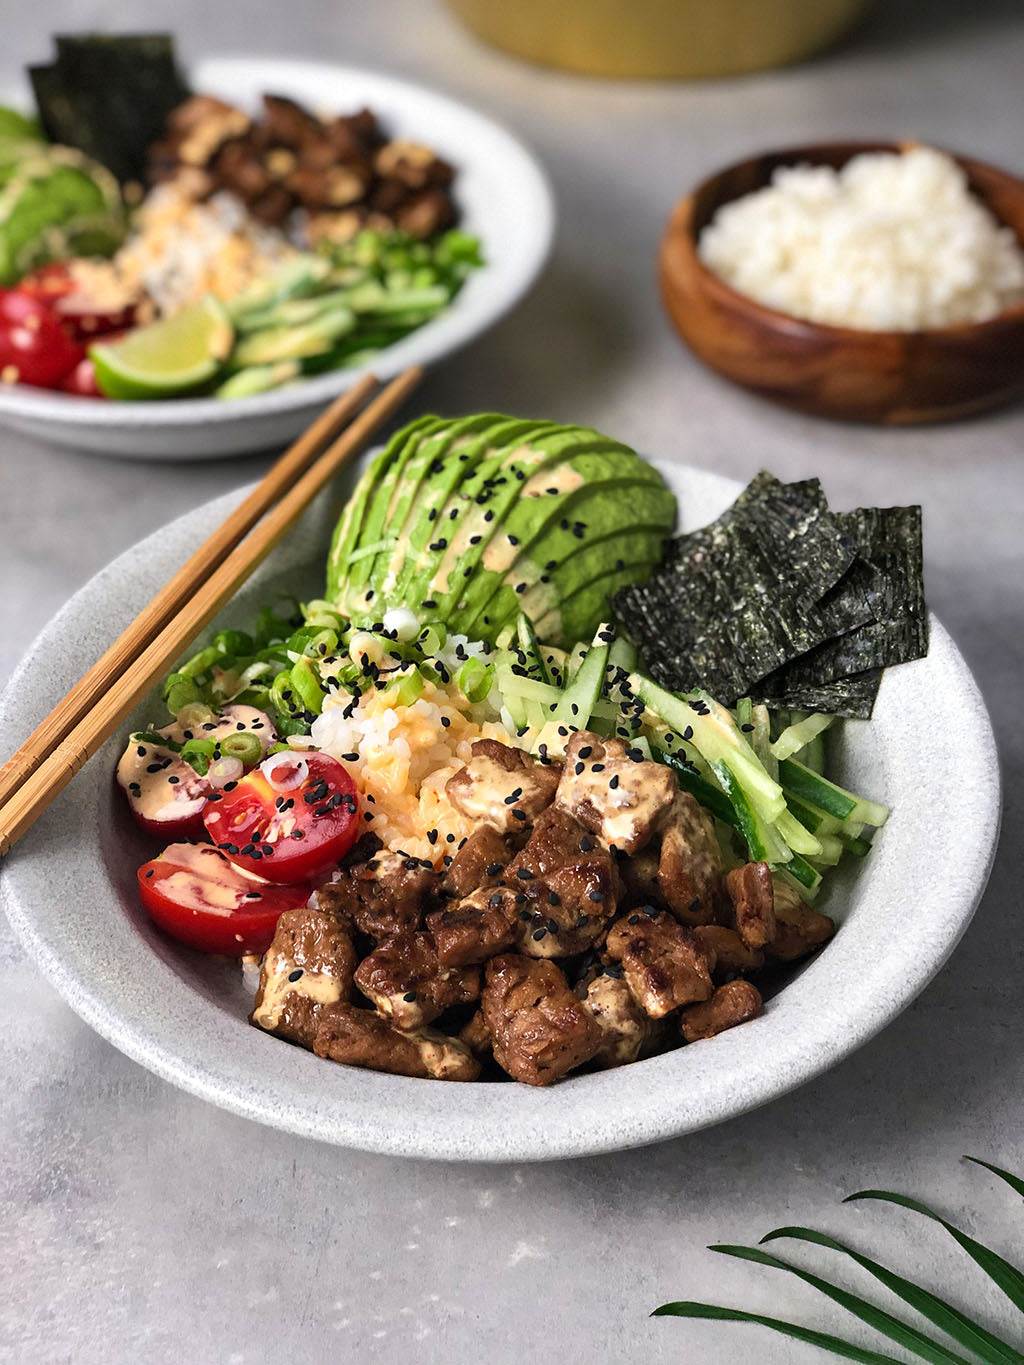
(140, 1225)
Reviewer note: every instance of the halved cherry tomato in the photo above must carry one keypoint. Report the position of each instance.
(291, 817)
(81, 381)
(83, 317)
(34, 348)
(194, 893)
(166, 794)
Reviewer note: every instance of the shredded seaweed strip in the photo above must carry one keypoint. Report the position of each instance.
(109, 96)
(742, 596)
(889, 540)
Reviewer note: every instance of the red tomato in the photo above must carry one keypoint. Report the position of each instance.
(165, 793)
(195, 894)
(53, 285)
(81, 381)
(34, 347)
(292, 817)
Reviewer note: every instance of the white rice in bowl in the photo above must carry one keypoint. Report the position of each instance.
(406, 754)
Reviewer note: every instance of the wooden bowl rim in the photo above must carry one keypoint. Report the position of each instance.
(680, 231)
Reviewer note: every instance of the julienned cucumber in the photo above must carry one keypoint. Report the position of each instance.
(716, 737)
(827, 796)
(797, 736)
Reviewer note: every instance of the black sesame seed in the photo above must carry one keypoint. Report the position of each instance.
(409, 997)
(613, 782)
(524, 874)
(595, 895)
(538, 934)
(294, 976)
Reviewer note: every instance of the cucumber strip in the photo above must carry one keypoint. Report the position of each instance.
(584, 690)
(714, 735)
(813, 755)
(831, 850)
(817, 821)
(761, 740)
(622, 654)
(819, 791)
(764, 843)
(798, 736)
(860, 848)
(711, 798)
(533, 660)
(807, 877)
(799, 839)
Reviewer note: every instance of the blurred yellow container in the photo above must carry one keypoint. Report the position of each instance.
(660, 38)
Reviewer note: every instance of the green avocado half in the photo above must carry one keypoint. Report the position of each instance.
(472, 520)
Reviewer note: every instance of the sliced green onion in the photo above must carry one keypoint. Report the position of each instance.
(244, 745)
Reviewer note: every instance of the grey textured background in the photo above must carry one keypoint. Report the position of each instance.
(139, 1224)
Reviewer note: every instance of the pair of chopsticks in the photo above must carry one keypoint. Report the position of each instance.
(101, 700)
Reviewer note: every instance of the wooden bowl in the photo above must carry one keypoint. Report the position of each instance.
(840, 372)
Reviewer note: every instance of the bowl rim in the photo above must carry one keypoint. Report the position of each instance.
(817, 1021)
(51, 405)
(680, 235)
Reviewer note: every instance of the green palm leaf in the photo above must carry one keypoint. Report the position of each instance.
(1014, 1181)
(964, 1330)
(1004, 1275)
(824, 1340)
(927, 1348)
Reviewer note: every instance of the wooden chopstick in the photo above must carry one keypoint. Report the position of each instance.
(151, 620)
(140, 674)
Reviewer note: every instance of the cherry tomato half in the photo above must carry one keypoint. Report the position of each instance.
(195, 894)
(165, 793)
(291, 817)
(34, 348)
(86, 320)
(81, 381)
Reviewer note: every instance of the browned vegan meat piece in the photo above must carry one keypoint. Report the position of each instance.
(404, 981)
(383, 896)
(502, 787)
(690, 862)
(611, 795)
(426, 213)
(307, 967)
(342, 171)
(477, 1036)
(362, 1038)
(752, 895)
(570, 883)
(287, 123)
(798, 928)
(732, 1004)
(480, 861)
(475, 928)
(626, 1031)
(729, 953)
(665, 964)
(539, 1029)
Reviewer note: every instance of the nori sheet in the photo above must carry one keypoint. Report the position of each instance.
(890, 550)
(742, 596)
(109, 95)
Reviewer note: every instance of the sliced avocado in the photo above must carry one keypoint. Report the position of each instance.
(614, 492)
(499, 489)
(350, 523)
(386, 513)
(553, 581)
(417, 521)
(435, 543)
(573, 617)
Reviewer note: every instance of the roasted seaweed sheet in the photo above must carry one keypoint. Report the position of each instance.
(785, 601)
(109, 95)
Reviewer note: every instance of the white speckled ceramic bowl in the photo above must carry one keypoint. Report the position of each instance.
(504, 197)
(69, 890)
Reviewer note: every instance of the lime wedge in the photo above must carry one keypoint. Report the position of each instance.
(171, 356)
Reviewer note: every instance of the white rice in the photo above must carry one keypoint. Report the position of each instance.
(891, 242)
